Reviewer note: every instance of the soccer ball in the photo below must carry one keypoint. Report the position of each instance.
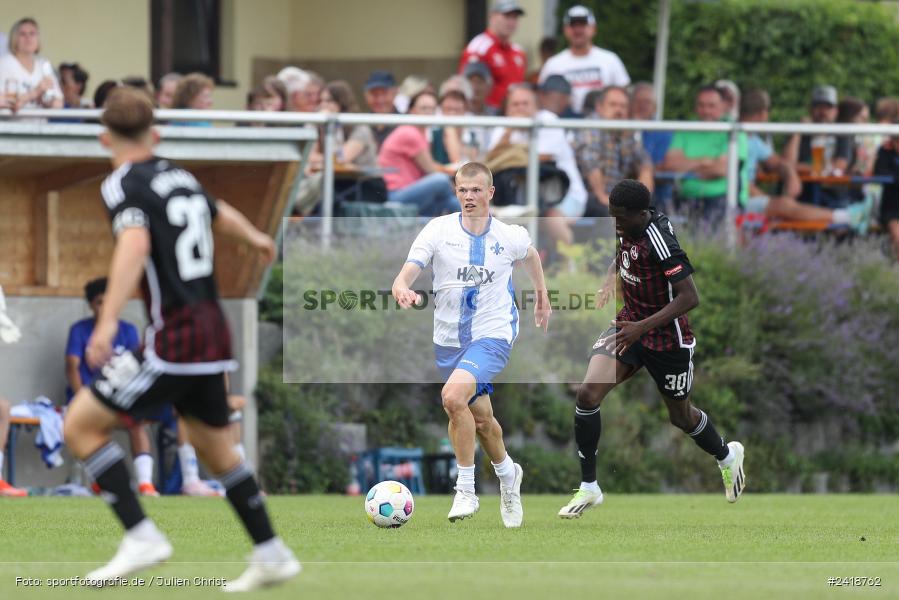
(389, 504)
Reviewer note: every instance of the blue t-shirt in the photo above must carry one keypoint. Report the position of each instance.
(757, 151)
(656, 144)
(126, 339)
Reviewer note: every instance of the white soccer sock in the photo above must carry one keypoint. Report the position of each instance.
(1, 464)
(592, 486)
(146, 530)
(729, 459)
(505, 471)
(271, 551)
(190, 469)
(143, 466)
(465, 479)
(841, 217)
(238, 447)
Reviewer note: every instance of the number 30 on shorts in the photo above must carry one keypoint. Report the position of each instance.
(676, 383)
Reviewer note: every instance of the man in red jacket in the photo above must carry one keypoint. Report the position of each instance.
(506, 60)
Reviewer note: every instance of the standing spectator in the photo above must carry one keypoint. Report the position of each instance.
(506, 60)
(380, 93)
(754, 108)
(730, 92)
(656, 143)
(165, 89)
(837, 152)
(79, 374)
(606, 157)
(27, 79)
(887, 163)
(6, 490)
(703, 156)
(585, 66)
(411, 173)
(73, 81)
(548, 47)
(555, 96)
(194, 92)
(268, 96)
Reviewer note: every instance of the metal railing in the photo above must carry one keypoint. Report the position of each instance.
(330, 122)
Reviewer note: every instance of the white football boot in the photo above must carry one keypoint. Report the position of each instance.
(465, 504)
(510, 508)
(734, 475)
(582, 501)
(266, 570)
(133, 555)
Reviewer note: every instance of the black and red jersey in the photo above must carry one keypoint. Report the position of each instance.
(648, 266)
(187, 332)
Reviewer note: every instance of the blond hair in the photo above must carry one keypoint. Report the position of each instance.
(473, 169)
(14, 33)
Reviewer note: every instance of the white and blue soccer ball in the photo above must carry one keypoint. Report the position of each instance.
(389, 504)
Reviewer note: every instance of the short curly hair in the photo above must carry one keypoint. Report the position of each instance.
(630, 194)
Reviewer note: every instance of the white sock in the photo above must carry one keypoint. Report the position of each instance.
(728, 460)
(145, 530)
(465, 479)
(190, 469)
(593, 486)
(271, 551)
(505, 471)
(238, 447)
(1, 464)
(143, 466)
(841, 217)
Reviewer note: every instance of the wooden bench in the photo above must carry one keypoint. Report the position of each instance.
(14, 424)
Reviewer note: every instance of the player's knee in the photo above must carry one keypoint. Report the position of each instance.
(454, 400)
(681, 420)
(590, 396)
(487, 426)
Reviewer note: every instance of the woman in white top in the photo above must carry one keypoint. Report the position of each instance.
(26, 79)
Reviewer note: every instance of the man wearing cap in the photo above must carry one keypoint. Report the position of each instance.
(585, 66)
(554, 95)
(506, 60)
(823, 109)
(380, 93)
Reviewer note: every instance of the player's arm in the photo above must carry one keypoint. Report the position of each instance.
(686, 299)
(534, 269)
(232, 223)
(73, 376)
(604, 293)
(131, 251)
(402, 293)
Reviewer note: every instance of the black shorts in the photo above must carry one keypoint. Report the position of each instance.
(672, 370)
(136, 388)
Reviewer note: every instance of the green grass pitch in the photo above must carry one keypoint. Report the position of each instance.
(640, 546)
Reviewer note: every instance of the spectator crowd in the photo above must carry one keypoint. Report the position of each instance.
(843, 183)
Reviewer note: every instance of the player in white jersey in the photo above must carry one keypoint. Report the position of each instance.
(475, 324)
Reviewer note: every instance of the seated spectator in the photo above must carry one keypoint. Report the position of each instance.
(456, 83)
(478, 75)
(143, 84)
(887, 163)
(730, 93)
(606, 157)
(102, 92)
(73, 81)
(655, 143)
(411, 173)
(837, 152)
(380, 93)
(411, 86)
(702, 156)
(447, 144)
(303, 89)
(555, 96)
(194, 92)
(165, 89)
(855, 110)
(27, 80)
(551, 143)
(355, 145)
(268, 96)
(754, 108)
(6, 490)
(79, 374)
(548, 46)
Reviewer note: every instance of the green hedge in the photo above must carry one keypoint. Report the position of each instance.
(784, 47)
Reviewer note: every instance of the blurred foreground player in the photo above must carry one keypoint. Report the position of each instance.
(652, 331)
(162, 220)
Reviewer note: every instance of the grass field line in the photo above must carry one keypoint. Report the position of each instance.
(493, 562)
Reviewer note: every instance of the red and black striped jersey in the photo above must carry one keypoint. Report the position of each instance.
(187, 332)
(648, 267)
